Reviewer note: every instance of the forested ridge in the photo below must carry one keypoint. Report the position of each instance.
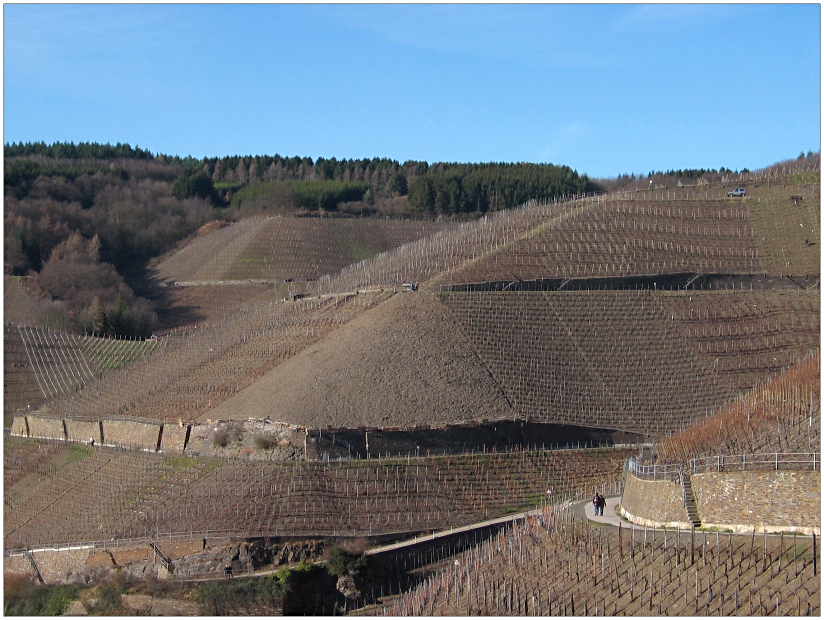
(83, 220)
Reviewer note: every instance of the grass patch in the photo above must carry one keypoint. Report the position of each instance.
(359, 250)
(77, 452)
(250, 595)
(179, 463)
(802, 178)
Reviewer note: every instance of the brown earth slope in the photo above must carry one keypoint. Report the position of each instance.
(403, 363)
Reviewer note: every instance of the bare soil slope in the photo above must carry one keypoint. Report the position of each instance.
(400, 364)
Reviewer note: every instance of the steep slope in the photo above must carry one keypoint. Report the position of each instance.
(605, 359)
(19, 307)
(780, 415)
(401, 364)
(279, 248)
(20, 387)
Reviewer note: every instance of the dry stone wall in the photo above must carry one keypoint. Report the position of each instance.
(252, 439)
(19, 426)
(174, 437)
(764, 501)
(131, 434)
(46, 428)
(654, 502)
(760, 501)
(83, 430)
(66, 566)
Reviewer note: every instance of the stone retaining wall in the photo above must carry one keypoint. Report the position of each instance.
(17, 565)
(83, 430)
(764, 501)
(131, 434)
(173, 440)
(760, 501)
(46, 428)
(54, 566)
(654, 503)
(19, 426)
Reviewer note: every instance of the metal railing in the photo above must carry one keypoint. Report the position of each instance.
(116, 543)
(652, 472)
(771, 461)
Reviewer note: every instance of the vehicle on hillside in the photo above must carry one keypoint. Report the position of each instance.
(738, 191)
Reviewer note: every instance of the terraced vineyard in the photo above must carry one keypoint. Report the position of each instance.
(41, 364)
(192, 305)
(201, 368)
(280, 248)
(786, 223)
(399, 364)
(746, 336)
(628, 233)
(107, 494)
(559, 565)
(636, 360)
(20, 387)
(617, 237)
(782, 415)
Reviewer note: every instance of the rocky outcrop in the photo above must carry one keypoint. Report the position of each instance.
(247, 556)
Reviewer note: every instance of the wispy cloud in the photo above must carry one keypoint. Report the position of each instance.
(535, 35)
(557, 148)
(651, 15)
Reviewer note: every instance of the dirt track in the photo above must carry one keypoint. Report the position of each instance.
(402, 363)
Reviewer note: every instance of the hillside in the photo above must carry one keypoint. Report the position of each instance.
(558, 565)
(400, 364)
(651, 356)
(624, 360)
(105, 494)
(42, 364)
(203, 365)
(19, 306)
(606, 359)
(780, 415)
(661, 232)
(279, 248)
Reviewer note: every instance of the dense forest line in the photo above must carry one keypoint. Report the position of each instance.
(418, 188)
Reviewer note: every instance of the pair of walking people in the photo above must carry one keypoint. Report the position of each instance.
(599, 502)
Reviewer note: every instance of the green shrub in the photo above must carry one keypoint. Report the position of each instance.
(340, 562)
(24, 597)
(240, 595)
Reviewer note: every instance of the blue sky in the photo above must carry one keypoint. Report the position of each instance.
(605, 89)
